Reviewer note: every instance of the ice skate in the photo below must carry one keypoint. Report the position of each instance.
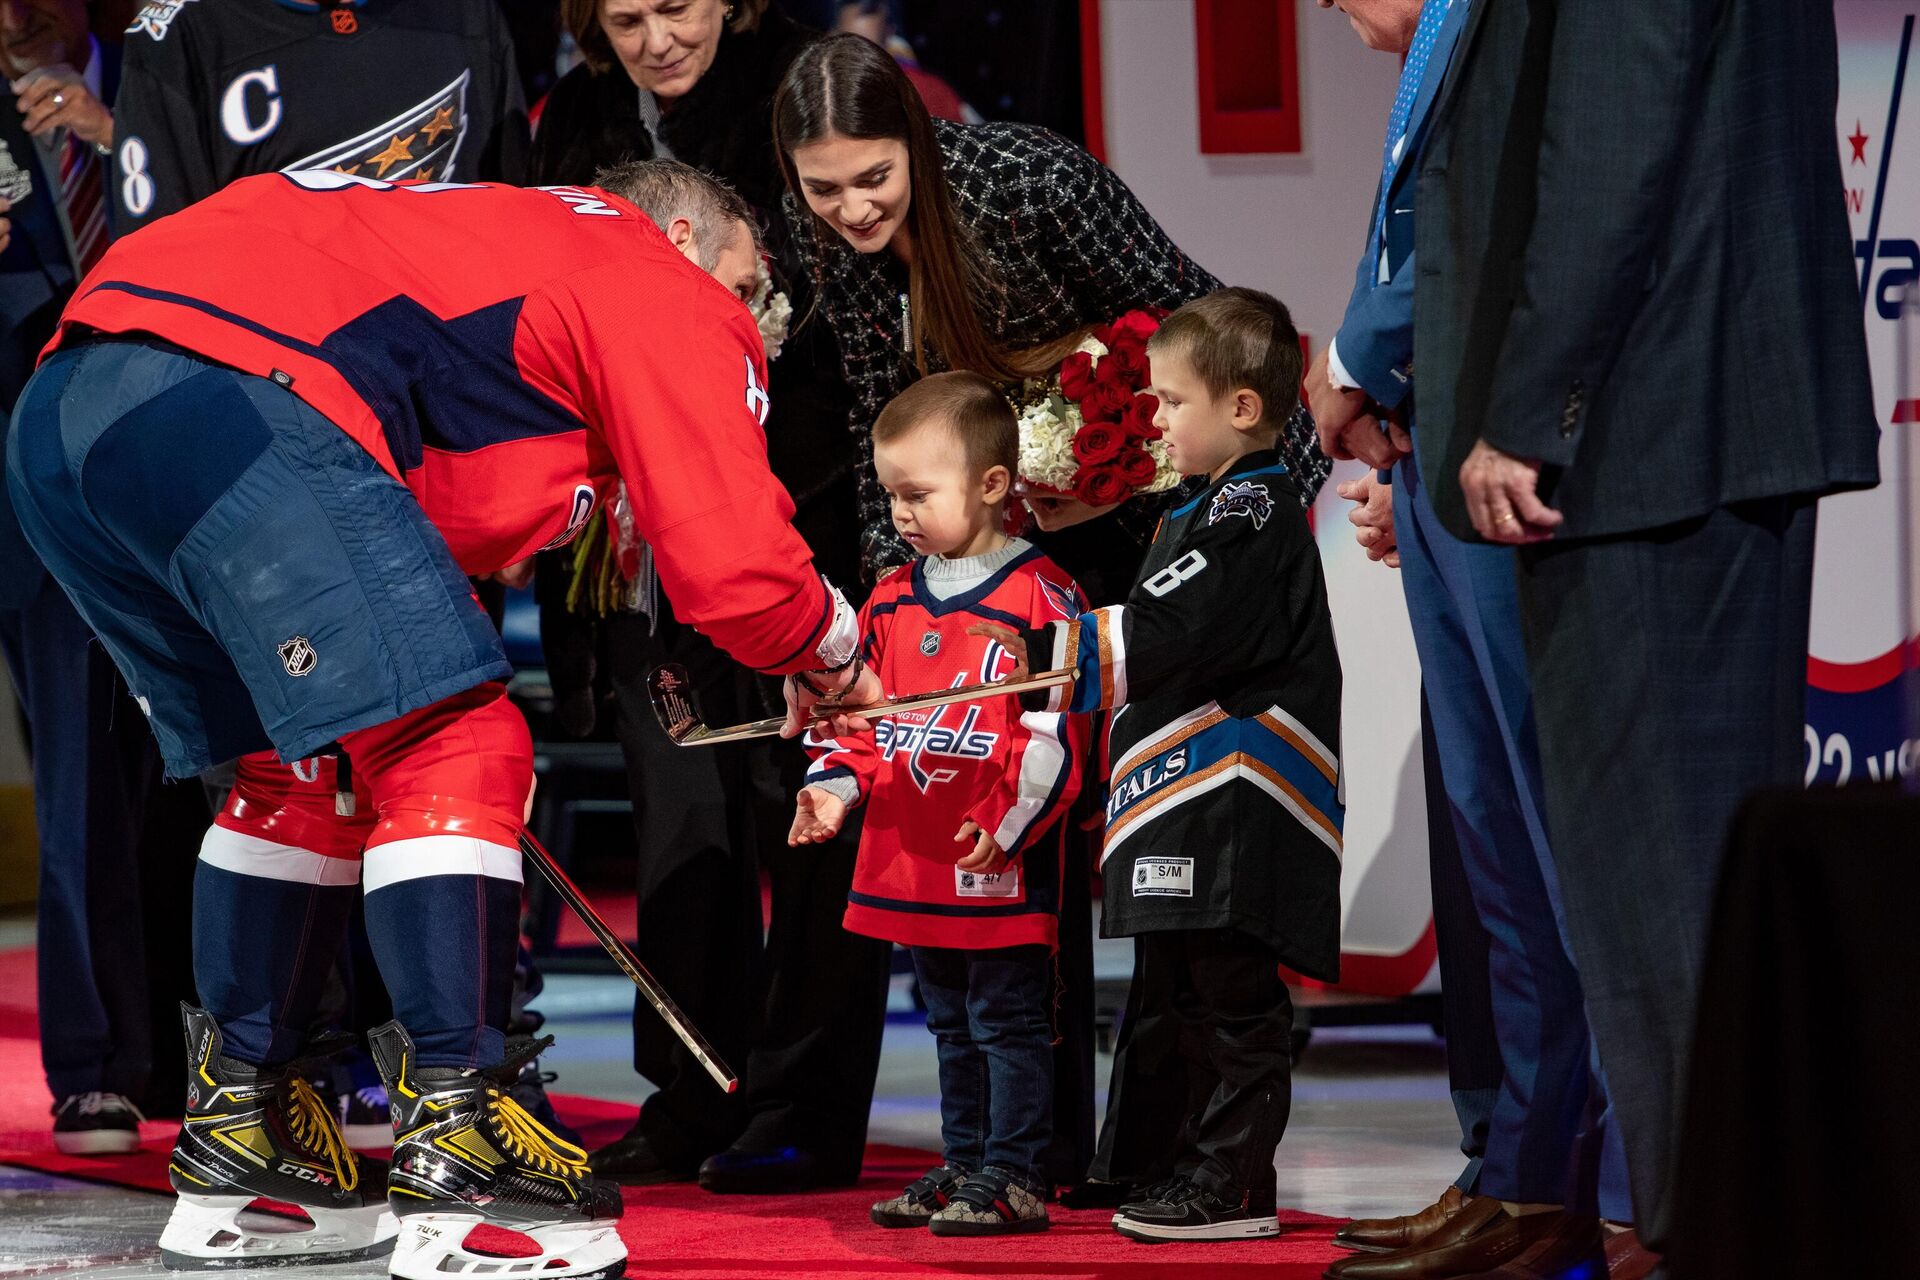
(466, 1154)
(257, 1134)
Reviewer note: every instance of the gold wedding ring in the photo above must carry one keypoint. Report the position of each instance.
(1503, 518)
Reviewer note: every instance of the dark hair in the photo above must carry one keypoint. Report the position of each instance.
(847, 85)
(1235, 338)
(968, 405)
(581, 18)
(667, 189)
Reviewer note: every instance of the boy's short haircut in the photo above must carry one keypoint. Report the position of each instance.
(973, 409)
(1235, 338)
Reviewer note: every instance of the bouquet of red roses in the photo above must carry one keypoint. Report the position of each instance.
(1087, 432)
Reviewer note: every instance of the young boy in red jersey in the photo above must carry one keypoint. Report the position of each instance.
(961, 856)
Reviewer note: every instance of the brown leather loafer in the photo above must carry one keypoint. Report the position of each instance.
(1479, 1237)
(1385, 1235)
(1560, 1244)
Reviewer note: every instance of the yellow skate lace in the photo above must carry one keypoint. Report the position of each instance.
(529, 1140)
(311, 1122)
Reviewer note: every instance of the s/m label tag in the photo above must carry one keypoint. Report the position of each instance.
(972, 884)
(1163, 878)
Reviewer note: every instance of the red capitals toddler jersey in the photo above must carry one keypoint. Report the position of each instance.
(922, 774)
(506, 353)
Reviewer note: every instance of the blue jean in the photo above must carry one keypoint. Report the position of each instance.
(988, 1014)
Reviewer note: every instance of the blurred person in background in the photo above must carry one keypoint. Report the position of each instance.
(803, 1012)
(116, 850)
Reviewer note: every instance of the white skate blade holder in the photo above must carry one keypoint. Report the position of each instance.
(217, 1232)
(431, 1246)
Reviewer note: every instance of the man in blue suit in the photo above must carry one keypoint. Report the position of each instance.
(116, 851)
(1530, 1213)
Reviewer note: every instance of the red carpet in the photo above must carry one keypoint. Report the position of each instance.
(681, 1231)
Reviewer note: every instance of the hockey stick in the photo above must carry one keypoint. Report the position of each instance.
(662, 1003)
(671, 690)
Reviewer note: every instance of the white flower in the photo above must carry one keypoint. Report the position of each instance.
(1093, 347)
(1165, 477)
(1047, 427)
(771, 311)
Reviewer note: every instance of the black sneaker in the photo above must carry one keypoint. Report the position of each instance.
(634, 1161)
(96, 1124)
(1184, 1210)
(992, 1203)
(924, 1196)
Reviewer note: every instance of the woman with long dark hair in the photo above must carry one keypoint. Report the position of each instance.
(990, 248)
(984, 247)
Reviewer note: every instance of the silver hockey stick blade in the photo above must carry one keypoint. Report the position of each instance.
(672, 692)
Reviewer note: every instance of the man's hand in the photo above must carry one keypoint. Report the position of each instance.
(986, 858)
(817, 817)
(1345, 420)
(6, 223)
(1503, 499)
(1008, 639)
(803, 706)
(57, 97)
(1372, 518)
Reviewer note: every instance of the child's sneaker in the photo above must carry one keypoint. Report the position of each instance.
(991, 1203)
(1183, 1210)
(924, 1197)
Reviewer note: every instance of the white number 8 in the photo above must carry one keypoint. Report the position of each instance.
(1175, 574)
(136, 184)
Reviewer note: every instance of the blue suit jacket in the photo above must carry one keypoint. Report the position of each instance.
(1376, 337)
(36, 277)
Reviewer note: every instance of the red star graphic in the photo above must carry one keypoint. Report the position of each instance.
(1859, 141)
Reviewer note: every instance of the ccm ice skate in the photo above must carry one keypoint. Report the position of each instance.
(252, 1133)
(465, 1153)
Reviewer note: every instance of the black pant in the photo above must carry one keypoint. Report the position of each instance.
(1236, 1022)
(1669, 674)
(800, 1015)
(1151, 1091)
(117, 850)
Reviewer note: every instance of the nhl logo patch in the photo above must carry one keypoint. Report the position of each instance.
(297, 656)
(930, 644)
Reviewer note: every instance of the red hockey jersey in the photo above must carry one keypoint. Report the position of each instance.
(506, 353)
(922, 774)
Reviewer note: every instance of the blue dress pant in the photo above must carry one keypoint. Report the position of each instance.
(1465, 611)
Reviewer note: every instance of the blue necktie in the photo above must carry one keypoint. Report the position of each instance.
(1432, 14)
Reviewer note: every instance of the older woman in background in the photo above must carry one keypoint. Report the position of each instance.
(802, 1014)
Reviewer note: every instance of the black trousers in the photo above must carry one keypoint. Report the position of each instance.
(1669, 675)
(1236, 1025)
(117, 850)
(799, 1011)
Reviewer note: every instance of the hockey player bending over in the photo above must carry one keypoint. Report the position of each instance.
(273, 435)
(1224, 818)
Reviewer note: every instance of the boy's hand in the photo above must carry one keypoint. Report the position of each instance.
(987, 858)
(817, 817)
(1008, 639)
